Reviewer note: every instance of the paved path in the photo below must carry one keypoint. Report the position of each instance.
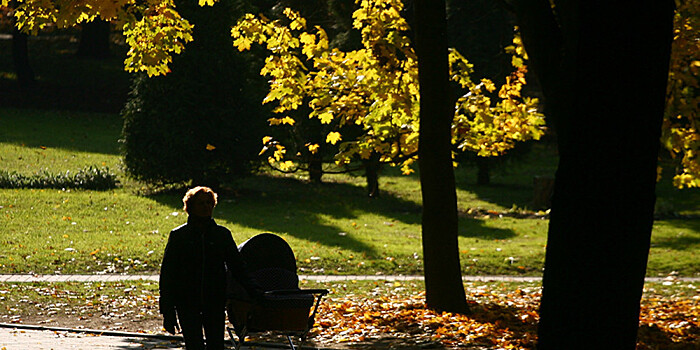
(27, 337)
(18, 338)
(318, 278)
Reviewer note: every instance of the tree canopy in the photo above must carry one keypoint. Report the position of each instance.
(376, 88)
(155, 31)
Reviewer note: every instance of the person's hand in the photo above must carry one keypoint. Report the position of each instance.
(170, 322)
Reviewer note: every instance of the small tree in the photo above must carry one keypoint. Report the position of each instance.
(368, 98)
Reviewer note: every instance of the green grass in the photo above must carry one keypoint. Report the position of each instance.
(332, 227)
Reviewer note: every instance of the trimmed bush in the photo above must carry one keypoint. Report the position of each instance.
(88, 178)
(202, 122)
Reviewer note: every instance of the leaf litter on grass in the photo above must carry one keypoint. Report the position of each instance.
(497, 319)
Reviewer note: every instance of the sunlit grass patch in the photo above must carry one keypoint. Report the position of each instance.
(333, 227)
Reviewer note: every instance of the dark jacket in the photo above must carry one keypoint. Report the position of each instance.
(195, 261)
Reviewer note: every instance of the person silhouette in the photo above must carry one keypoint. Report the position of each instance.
(197, 257)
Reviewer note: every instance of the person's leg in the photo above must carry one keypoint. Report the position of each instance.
(214, 323)
(191, 325)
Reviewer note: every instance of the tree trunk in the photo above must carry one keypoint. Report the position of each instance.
(372, 175)
(20, 58)
(316, 168)
(443, 277)
(604, 78)
(94, 39)
(483, 175)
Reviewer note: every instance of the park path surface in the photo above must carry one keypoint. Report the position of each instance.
(317, 278)
(23, 338)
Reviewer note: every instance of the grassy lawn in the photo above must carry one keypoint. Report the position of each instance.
(333, 228)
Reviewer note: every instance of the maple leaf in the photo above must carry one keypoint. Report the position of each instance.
(333, 137)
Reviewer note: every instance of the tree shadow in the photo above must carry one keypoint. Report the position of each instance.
(303, 210)
(149, 343)
(80, 132)
(501, 194)
(683, 240)
(653, 337)
(474, 228)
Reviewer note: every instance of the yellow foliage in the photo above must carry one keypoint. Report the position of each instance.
(280, 121)
(376, 87)
(680, 132)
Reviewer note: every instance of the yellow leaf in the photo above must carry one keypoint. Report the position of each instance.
(210, 147)
(313, 148)
(325, 117)
(298, 24)
(206, 2)
(307, 38)
(286, 165)
(266, 139)
(333, 137)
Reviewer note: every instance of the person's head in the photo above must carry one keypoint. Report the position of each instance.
(200, 201)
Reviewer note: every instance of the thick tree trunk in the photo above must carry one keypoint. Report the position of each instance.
(443, 278)
(605, 88)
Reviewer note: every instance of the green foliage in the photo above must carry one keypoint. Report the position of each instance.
(375, 89)
(89, 178)
(198, 122)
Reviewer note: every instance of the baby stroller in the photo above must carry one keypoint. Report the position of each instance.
(284, 308)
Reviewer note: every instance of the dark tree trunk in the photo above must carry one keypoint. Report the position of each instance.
(316, 168)
(20, 58)
(483, 174)
(443, 277)
(603, 70)
(372, 175)
(94, 39)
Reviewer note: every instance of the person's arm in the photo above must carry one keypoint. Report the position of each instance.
(166, 286)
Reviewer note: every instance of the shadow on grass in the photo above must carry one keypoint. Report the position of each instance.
(688, 237)
(474, 228)
(84, 132)
(504, 195)
(305, 210)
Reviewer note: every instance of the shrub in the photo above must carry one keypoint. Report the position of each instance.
(88, 178)
(201, 122)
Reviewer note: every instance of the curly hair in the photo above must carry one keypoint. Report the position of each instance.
(191, 193)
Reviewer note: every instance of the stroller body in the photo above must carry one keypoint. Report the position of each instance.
(284, 308)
